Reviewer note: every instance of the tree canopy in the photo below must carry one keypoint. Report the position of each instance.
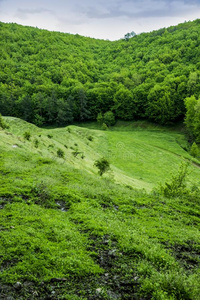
(51, 77)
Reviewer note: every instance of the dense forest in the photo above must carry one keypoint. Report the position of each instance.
(51, 77)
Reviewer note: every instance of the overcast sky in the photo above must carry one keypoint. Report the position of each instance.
(104, 19)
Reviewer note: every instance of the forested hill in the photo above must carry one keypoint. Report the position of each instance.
(48, 77)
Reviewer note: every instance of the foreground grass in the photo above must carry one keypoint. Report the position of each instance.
(67, 234)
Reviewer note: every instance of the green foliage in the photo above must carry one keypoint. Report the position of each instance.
(194, 151)
(90, 138)
(36, 143)
(60, 153)
(64, 78)
(100, 119)
(37, 261)
(99, 239)
(128, 35)
(76, 152)
(103, 165)
(27, 135)
(41, 194)
(104, 127)
(3, 124)
(192, 119)
(109, 118)
(177, 184)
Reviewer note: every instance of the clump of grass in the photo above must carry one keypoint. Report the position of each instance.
(51, 146)
(36, 143)
(27, 135)
(76, 152)
(60, 153)
(90, 138)
(41, 194)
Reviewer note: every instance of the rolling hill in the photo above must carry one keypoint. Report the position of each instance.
(68, 233)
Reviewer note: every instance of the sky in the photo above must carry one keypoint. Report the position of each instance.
(102, 19)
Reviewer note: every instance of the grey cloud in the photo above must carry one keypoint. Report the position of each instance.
(24, 13)
(139, 9)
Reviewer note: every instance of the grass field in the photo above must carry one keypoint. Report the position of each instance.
(67, 233)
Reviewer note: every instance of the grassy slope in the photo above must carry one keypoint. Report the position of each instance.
(140, 157)
(68, 234)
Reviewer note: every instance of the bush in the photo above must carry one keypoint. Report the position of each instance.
(60, 153)
(103, 165)
(104, 127)
(177, 184)
(27, 135)
(100, 119)
(75, 153)
(3, 124)
(90, 138)
(194, 151)
(36, 143)
(109, 118)
(42, 195)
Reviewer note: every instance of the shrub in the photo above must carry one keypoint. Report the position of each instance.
(36, 143)
(41, 194)
(177, 184)
(27, 135)
(3, 124)
(100, 119)
(60, 153)
(104, 127)
(103, 165)
(76, 152)
(109, 118)
(194, 151)
(90, 138)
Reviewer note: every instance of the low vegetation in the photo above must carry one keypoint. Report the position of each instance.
(69, 234)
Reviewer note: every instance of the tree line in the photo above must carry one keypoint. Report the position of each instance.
(56, 78)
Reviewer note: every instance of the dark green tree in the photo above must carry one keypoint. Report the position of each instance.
(103, 165)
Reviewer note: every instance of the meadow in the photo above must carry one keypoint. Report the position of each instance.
(68, 233)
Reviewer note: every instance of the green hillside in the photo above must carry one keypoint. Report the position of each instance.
(51, 77)
(68, 233)
(68, 230)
